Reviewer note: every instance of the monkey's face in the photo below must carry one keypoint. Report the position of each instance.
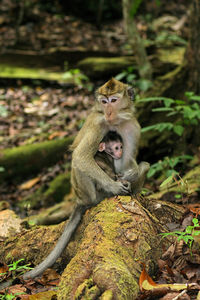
(113, 98)
(115, 149)
(111, 105)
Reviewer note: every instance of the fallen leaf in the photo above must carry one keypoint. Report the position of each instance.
(57, 134)
(29, 184)
(3, 271)
(146, 283)
(43, 296)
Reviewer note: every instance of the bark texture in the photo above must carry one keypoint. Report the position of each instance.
(193, 53)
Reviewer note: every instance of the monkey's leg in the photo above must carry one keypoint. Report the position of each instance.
(136, 176)
(143, 168)
(84, 188)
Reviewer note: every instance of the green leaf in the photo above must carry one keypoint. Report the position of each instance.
(189, 229)
(144, 84)
(151, 99)
(162, 109)
(147, 128)
(178, 196)
(196, 98)
(195, 221)
(166, 181)
(196, 232)
(2, 169)
(178, 129)
(151, 172)
(121, 75)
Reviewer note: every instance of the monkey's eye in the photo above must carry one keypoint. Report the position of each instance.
(117, 148)
(113, 99)
(104, 101)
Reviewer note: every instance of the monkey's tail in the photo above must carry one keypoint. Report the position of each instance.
(64, 239)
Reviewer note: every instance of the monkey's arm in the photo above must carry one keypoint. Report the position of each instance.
(128, 166)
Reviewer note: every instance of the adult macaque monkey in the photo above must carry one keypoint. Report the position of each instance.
(113, 111)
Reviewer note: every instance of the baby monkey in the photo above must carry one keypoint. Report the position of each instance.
(110, 148)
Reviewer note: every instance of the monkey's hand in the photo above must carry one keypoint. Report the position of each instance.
(144, 167)
(130, 175)
(123, 188)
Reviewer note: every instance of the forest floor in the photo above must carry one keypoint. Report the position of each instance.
(31, 113)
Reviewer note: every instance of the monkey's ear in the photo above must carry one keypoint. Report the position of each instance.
(102, 147)
(131, 93)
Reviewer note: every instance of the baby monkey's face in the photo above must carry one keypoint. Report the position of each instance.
(113, 148)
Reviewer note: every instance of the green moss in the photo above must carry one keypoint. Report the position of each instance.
(82, 288)
(173, 55)
(58, 188)
(87, 291)
(30, 159)
(48, 295)
(33, 73)
(107, 295)
(106, 254)
(95, 66)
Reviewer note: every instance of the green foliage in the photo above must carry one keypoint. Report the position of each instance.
(134, 7)
(79, 78)
(10, 296)
(136, 4)
(130, 77)
(167, 166)
(188, 235)
(16, 267)
(164, 37)
(186, 113)
(2, 169)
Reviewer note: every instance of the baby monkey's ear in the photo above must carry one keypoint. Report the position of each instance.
(131, 93)
(102, 147)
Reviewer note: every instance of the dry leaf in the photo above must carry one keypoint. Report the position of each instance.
(147, 283)
(29, 184)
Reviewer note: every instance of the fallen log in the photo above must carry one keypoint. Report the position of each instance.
(29, 159)
(106, 252)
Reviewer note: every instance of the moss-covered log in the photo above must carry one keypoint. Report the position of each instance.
(29, 159)
(96, 67)
(106, 251)
(47, 196)
(121, 234)
(54, 214)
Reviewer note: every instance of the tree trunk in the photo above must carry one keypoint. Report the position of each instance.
(144, 66)
(193, 53)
